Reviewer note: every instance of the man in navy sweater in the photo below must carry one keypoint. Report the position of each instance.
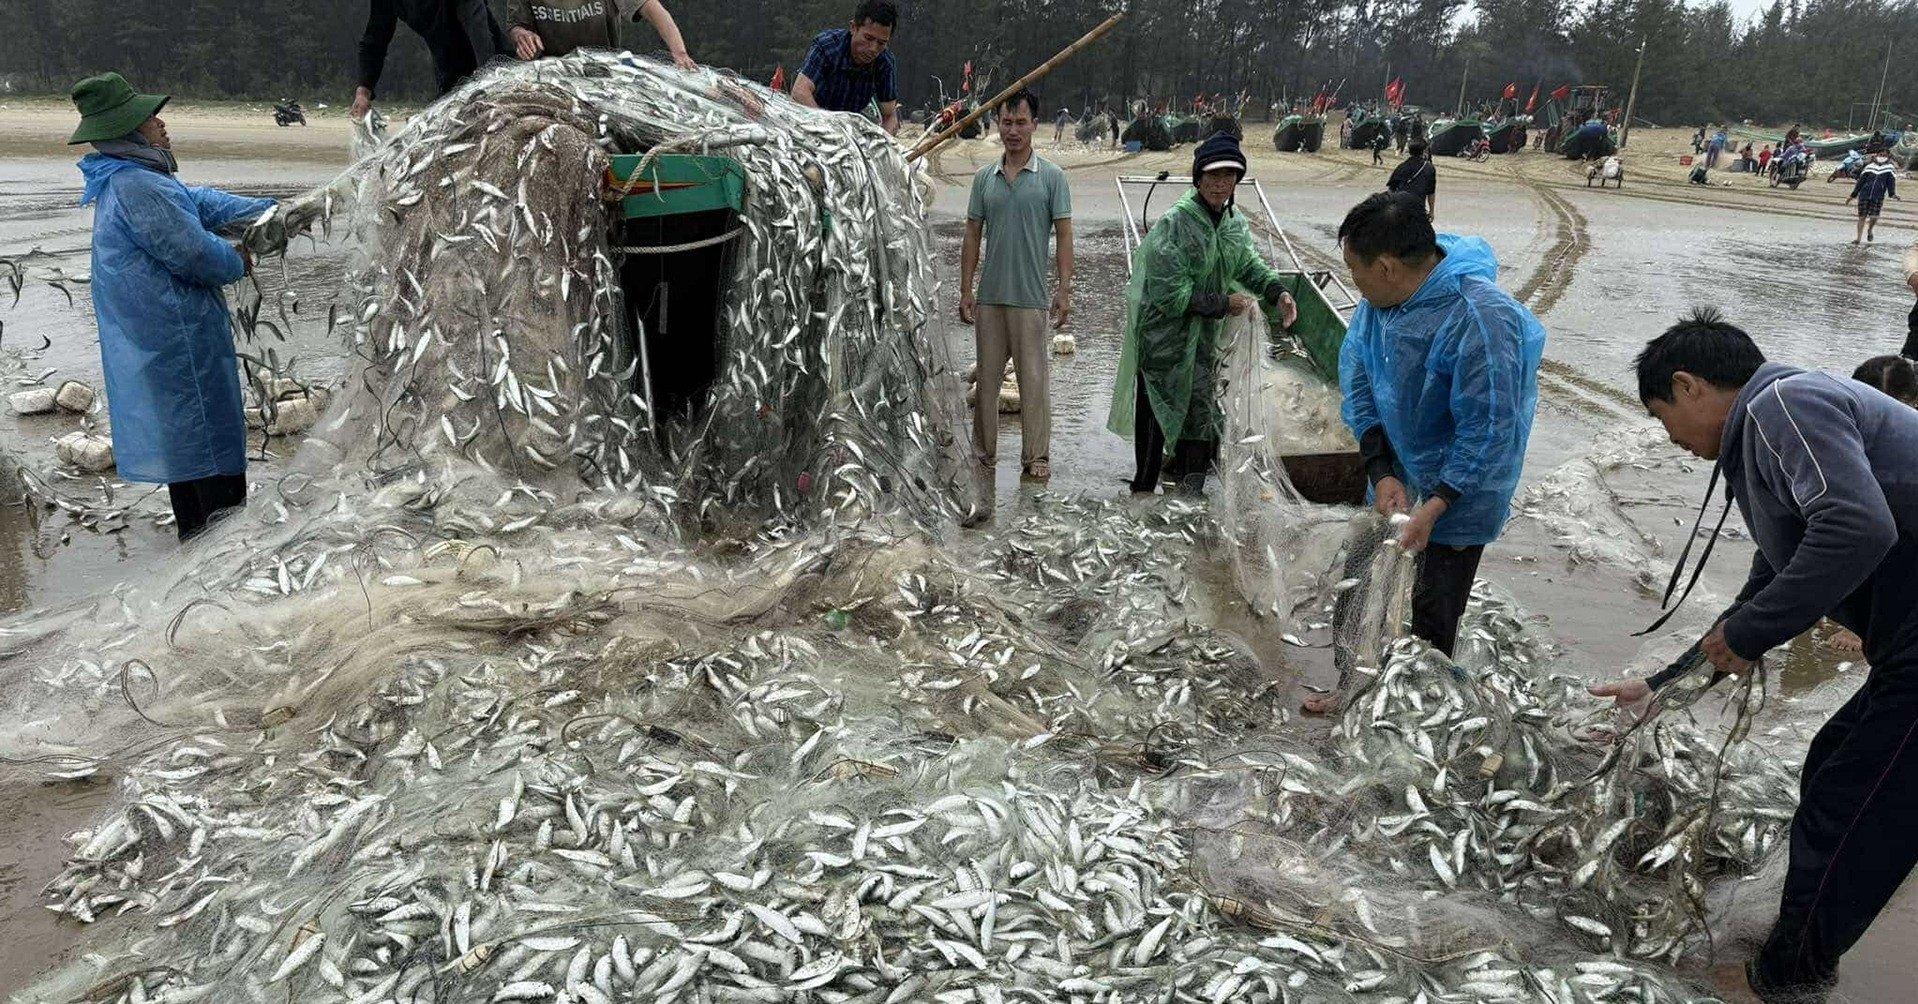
(1825, 473)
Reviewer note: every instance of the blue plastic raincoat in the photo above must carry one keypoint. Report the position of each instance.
(1452, 375)
(173, 384)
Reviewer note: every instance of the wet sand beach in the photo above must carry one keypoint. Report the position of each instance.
(1604, 270)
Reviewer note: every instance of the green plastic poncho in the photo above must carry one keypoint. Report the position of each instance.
(1183, 254)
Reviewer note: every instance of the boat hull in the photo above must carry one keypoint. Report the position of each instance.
(1448, 139)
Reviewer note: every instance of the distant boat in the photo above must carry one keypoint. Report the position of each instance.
(1509, 135)
(1299, 132)
(1366, 129)
(1183, 128)
(1312, 133)
(1285, 135)
(1837, 146)
(1449, 137)
(1590, 141)
(1149, 132)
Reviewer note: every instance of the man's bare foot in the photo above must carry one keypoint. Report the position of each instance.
(1320, 704)
(1732, 987)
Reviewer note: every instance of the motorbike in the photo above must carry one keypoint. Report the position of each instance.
(1791, 172)
(1479, 149)
(287, 112)
(1848, 170)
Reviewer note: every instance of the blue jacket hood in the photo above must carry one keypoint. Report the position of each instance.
(96, 168)
(1465, 257)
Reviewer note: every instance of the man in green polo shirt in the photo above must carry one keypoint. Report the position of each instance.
(1017, 203)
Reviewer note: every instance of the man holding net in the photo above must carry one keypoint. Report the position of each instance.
(1440, 375)
(849, 69)
(166, 346)
(1196, 266)
(1825, 474)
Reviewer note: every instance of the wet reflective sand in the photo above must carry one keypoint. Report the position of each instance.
(1605, 270)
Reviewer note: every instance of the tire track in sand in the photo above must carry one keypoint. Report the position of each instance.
(1571, 238)
(1570, 235)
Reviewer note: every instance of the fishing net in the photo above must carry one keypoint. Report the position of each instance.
(545, 706)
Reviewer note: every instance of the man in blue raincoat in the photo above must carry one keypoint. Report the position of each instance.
(173, 384)
(1440, 375)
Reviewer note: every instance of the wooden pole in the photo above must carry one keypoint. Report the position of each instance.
(1631, 103)
(932, 143)
(1879, 98)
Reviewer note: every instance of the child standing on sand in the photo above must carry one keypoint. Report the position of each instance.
(1876, 181)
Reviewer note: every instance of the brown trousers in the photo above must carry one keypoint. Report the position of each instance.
(1018, 333)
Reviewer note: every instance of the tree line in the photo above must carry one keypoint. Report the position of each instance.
(1813, 61)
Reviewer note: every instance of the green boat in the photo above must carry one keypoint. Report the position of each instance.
(1509, 135)
(688, 203)
(1184, 128)
(1366, 129)
(1286, 136)
(1312, 133)
(1838, 146)
(1450, 137)
(1590, 141)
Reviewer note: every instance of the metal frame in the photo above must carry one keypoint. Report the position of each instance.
(1330, 286)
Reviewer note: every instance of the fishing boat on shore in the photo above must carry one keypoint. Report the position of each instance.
(1285, 135)
(1296, 133)
(1508, 135)
(1450, 136)
(1366, 128)
(1590, 141)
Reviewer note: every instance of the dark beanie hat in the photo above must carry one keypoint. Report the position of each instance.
(1221, 149)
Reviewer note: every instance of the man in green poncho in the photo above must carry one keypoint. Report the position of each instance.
(1195, 267)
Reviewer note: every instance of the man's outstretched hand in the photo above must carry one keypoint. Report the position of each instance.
(1632, 696)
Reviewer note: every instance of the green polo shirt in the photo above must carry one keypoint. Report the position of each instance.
(1018, 214)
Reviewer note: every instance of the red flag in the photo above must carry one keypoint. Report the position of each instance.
(1533, 102)
(965, 86)
(1511, 91)
(1564, 91)
(779, 78)
(1395, 92)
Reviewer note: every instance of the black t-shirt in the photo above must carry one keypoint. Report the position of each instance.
(1416, 176)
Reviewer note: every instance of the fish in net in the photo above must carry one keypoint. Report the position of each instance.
(587, 713)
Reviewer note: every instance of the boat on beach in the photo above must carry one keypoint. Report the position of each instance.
(1449, 137)
(1296, 133)
(1508, 135)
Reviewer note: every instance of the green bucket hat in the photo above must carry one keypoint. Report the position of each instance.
(110, 108)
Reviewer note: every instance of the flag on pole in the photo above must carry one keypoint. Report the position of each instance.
(965, 85)
(1511, 91)
(1533, 102)
(1395, 92)
(779, 78)
(1564, 91)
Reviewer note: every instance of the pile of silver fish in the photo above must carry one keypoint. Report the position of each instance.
(589, 766)
(493, 328)
(430, 722)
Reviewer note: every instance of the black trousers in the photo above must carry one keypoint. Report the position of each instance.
(1193, 457)
(1440, 589)
(1852, 839)
(1440, 592)
(1910, 351)
(197, 502)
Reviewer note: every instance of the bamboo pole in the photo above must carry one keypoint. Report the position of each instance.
(932, 143)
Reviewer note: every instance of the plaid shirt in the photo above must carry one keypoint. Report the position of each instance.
(839, 85)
